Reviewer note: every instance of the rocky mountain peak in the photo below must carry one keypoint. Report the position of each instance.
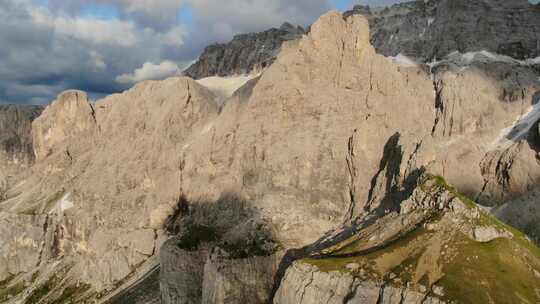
(66, 119)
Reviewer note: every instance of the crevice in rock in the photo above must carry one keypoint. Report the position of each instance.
(154, 250)
(380, 299)
(352, 292)
(368, 106)
(70, 157)
(288, 259)
(412, 158)
(477, 199)
(340, 68)
(45, 229)
(439, 105)
(403, 292)
(305, 287)
(352, 175)
(188, 100)
(424, 300)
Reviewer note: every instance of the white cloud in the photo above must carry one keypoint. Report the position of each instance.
(150, 71)
(98, 31)
(174, 37)
(239, 16)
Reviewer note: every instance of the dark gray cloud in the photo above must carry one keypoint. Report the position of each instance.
(44, 52)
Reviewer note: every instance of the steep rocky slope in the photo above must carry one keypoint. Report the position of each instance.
(246, 53)
(327, 148)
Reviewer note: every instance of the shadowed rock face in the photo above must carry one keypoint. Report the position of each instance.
(326, 142)
(244, 54)
(433, 29)
(15, 134)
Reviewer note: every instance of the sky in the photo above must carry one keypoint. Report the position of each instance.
(106, 46)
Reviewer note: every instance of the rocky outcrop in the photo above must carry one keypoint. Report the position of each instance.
(306, 284)
(246, 53)
(65, 120)
(433, 29)
(248, 280)
(182, 273)
(23, 240)
(419, 264)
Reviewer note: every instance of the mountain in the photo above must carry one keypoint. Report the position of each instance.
(244, 54)
(338, 175)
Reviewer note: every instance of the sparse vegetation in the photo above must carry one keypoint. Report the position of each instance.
(4, 187)
(70, 294)
(58, 290)
(230, 223)
(8, 290)
(257, 244)
(500, 271)
(441, 182)
(197, 234)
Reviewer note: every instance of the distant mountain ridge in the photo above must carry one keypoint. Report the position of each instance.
(245, 53)
(429, 30)
(424, 30)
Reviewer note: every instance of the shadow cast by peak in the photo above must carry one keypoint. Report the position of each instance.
(230, 223)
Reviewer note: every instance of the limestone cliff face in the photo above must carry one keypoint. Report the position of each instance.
(329, 139)
(63, 122)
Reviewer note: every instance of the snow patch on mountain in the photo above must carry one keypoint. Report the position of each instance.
(224, 87)
(519, 129)
(402, 60)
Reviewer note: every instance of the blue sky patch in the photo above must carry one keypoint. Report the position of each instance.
(99, 11)
(185, 15)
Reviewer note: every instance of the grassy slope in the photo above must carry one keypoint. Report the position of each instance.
(500, 271)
